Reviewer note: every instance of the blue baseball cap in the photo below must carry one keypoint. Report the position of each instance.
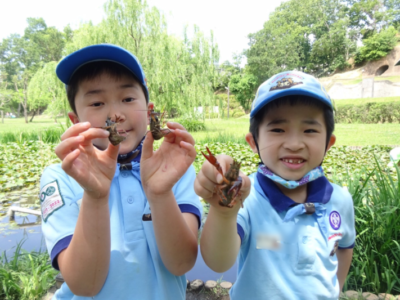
(286, 84)
(101, 52)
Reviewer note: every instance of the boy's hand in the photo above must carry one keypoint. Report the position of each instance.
(208, 181)
(92, 168)
(160, 170)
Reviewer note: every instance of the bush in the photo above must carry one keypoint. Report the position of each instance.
(369, 113)
(377, 46)
(192, 123)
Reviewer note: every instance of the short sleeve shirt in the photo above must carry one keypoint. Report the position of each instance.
(294, 259)
(136, 270)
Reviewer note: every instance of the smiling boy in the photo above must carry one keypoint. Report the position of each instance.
(296, 231)
(120, 222)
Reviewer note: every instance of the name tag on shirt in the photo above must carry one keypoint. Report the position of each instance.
(268, 241)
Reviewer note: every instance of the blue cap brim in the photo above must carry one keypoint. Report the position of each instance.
(102, 52)
(289, 92)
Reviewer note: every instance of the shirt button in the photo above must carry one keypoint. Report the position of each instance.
(130, 199)
(124, 174)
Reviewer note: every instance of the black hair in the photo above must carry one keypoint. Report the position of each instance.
(292, 101)
(92, 70)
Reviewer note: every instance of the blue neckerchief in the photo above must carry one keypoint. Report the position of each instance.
(291, 184)
(318, 191)
(122, 157)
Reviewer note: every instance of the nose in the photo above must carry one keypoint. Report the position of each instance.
(116, 112)
(294, 142)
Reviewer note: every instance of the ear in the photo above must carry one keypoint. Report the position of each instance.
(332, 141)
(73, 117)
(252, 143)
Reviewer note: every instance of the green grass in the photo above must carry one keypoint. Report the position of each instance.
(340, 102)
(26, 276)
(38, 123)
(390, 78)
(223, 130)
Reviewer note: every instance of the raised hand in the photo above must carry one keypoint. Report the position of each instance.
(160, 170)
(209, 180)
(92, 168)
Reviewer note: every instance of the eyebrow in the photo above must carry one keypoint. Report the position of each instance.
(284, 121)
(121, 87)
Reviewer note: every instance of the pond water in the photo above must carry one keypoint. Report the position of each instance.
(25, 228)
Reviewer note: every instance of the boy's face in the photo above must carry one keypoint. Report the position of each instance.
(292, 140)
(106, 96)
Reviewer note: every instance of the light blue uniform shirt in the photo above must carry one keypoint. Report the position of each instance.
(136, 270)
(294, 259)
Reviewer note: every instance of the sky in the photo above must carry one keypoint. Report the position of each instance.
(231, 21)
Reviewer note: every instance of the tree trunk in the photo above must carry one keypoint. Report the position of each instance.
(33, 115)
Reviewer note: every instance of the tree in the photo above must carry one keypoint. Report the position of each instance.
(21, 57)
(180, 73)
(378, 45)
(46, 90)
(243, 86)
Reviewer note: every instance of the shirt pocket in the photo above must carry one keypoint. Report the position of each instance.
(306, 253)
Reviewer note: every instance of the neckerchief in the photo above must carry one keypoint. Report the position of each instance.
(125, 160)
(291, 184)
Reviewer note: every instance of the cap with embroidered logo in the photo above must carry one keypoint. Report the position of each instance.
(286, 84)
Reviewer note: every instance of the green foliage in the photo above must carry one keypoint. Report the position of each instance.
(23, 163)
(378, 45)
(235, 109)
(192, 123)
(27, 276)
(180, 73)
(367, 113)
(243, 86)
(376, 260)
(45, 89)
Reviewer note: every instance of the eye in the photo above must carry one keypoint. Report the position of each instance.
(310, 131)
(277, 130)
(129, 100)
(97, 104)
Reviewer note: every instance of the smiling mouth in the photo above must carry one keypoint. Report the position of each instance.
(293, 160)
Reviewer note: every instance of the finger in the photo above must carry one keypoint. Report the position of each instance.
(246, 185)
(68, 145)
(147, 149)
(191, 151)
(75, 130)
(112, 151)
(67, 163)
(183, 135)
(211, 172)
(93, 133)
(204, 187)
(175, 125)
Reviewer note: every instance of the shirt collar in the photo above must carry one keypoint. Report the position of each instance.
(318, 191)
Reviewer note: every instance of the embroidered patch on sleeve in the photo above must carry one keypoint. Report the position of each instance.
(51, 199)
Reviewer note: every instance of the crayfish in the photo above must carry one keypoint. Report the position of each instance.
(155, 126)
(232, 182)
(111, 127)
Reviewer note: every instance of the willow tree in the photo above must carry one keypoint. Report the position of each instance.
(46, 90)
(180, 72)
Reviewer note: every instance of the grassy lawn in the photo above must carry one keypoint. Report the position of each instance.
(234, 130)
(38, 123)
(340, 102)
(346, 134)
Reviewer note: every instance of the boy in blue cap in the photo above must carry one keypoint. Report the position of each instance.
(295, 233)
(120, 222)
